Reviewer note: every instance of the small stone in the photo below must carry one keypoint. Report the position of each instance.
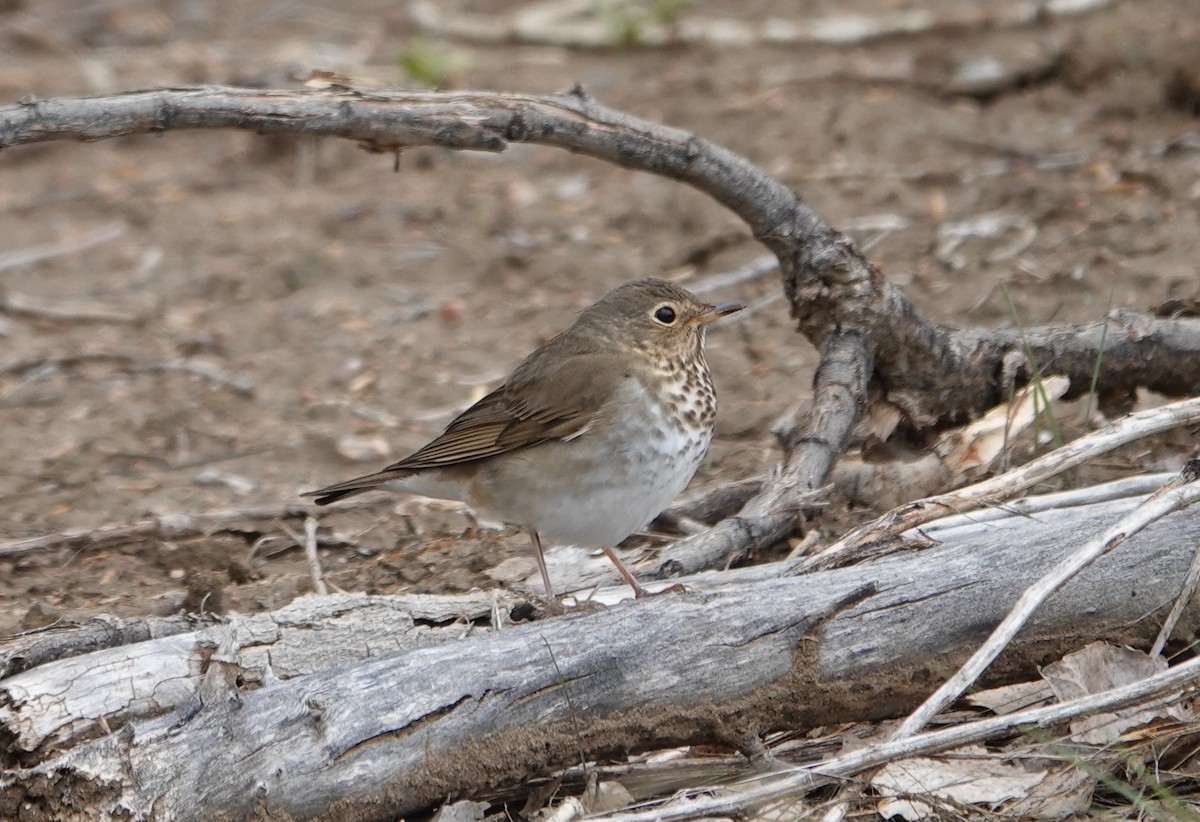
(40, 615)
(513, 569)
(363, 449)
(452, 310)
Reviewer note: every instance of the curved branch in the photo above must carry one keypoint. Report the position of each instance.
(827, 280)
(932, 373)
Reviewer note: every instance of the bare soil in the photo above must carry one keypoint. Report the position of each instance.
(356, 309)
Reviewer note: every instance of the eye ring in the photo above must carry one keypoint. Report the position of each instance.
(665, 314)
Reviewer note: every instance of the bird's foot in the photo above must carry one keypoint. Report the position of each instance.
(641, 593)
(552, 607)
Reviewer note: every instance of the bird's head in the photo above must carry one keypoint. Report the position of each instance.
(655, 316)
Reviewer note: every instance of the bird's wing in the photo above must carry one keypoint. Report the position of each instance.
(556, 398)
(555, 394)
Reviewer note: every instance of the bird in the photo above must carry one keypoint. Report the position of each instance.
(592, 436)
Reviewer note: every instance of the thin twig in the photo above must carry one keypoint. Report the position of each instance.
(163, 527)
(1176, 494)
(997, 489)
(27, 305)
(576, 23)
(314, 560)
(791, 784)
(1186, 591)
(40, 364)
(961, 526)
(224, 379)
(37, 253)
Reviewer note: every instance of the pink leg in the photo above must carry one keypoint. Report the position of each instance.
(638, 590)
(552, 604)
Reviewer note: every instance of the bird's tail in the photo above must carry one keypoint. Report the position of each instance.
(349, 488)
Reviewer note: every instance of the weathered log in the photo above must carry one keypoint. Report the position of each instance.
(81, 694)
(402, 731)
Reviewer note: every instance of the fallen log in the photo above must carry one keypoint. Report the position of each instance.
(402, 731)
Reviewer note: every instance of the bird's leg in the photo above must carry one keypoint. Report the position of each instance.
(638, 590)
(552, 604)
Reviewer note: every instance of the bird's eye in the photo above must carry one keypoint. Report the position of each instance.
(665, 314)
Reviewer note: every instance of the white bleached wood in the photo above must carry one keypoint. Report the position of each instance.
(1173, 496)
(59, 702)
(1130, 428)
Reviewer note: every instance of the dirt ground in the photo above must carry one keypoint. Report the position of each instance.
(289, 314)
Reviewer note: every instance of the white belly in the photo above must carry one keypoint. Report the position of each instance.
(594, 490)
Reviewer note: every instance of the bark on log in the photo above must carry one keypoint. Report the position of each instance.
(79, 695)
(402, 731)
(39, 647)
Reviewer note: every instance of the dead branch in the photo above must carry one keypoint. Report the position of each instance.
(161, 527)
(83, 692)
(1138, 350)
(931, 373)
(32, 649)
(793, 783)
(579, 24)
(708, 505)
(997, 489)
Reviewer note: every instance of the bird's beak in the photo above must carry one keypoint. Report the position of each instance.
(716, 312)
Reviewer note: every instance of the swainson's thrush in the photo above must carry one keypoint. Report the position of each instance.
(592, 436)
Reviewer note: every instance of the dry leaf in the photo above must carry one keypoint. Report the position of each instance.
(464, 811)
(1100, 667)
(979, 443)
(972, 777)
(1064, 792)
(606, 796)
(880, 421)
(1010, 698)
